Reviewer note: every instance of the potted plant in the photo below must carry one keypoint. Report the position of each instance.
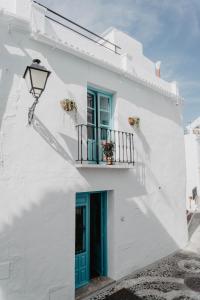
(108, 148)
(134, 121)
(68, 105)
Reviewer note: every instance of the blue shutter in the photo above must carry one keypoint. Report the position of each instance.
(82, 240)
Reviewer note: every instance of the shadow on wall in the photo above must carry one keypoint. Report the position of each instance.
(12, 63)
(52, 141)
(40, 248)
(40, 245)
(145, 146)
(72, 145)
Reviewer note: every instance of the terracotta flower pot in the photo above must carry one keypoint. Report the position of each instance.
(131, 121)
(134, 121)
(109, 160)
(68, 105)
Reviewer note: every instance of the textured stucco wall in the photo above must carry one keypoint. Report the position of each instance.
(192, 153)
(38, 177)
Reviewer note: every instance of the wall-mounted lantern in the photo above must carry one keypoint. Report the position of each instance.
(36, 77)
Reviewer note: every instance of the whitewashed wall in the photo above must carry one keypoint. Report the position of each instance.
(39, 179)
(192, 153)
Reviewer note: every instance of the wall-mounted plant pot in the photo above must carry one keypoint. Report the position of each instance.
(68, 105)
(134, 121)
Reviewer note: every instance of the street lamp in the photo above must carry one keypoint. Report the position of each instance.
(36, 77)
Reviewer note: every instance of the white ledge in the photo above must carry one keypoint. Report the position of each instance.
(106, 64)
(104, 166)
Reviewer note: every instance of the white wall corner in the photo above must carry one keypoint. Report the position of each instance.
(38, 18)
(127, 62)
(23, 8)
(8, 6)
(174, 88)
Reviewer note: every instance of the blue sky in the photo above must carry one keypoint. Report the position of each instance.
(168, 29)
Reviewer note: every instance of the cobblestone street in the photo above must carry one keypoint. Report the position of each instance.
(175, 277)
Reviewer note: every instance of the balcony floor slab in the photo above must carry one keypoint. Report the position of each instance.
(103, 166)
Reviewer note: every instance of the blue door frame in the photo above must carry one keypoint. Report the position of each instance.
(99, 105)
(82, 257)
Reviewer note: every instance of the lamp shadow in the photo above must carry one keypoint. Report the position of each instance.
(44, 132)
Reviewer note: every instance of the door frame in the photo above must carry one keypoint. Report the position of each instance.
(104, 216)
(82, 200)
(104, 249)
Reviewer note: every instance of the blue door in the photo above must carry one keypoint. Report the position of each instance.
(91, 237)
(82, 240)
(99, 121)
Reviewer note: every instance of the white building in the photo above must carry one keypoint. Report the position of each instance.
(192, 153)
(128, 214)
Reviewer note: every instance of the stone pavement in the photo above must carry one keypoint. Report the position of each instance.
(172, 278)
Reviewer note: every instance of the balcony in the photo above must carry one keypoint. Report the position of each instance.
(92, 142)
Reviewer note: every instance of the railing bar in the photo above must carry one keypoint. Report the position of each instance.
(101, 147)
(115, 154)
(81, 143)
(126, 148)
(106, 135)
(87, 144)
(123, 144)
(119, 145)
(97, 145)
(133, 150)
(87, 37)
(130, 148)
(78, 143)
(93, 135)
(76, 24)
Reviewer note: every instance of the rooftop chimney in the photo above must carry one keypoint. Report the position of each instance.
(157, 65)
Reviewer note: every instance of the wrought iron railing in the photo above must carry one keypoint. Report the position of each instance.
(92, 141)
(82, 31)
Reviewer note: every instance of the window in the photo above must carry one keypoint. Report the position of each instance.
(99, 109)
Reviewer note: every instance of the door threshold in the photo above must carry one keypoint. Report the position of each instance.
(95, 284)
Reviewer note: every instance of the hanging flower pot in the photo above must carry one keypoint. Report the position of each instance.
(68, 105)
(134, 121)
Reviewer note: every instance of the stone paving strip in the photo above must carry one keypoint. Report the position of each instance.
(172, 278)
(176, 277)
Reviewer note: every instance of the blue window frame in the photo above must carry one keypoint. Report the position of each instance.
(99, 108)
(99, 121)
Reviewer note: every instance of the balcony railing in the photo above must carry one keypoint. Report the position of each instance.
(78, 29)
(91, 141)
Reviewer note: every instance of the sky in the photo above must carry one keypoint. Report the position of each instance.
(168, 29)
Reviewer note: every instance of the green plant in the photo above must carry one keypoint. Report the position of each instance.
(134, 121)
(68, 105)
(108, 148)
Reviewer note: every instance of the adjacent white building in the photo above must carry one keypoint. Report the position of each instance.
(65, 215)
(192, 152)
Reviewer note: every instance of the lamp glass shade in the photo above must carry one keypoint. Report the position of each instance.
(36, 78)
